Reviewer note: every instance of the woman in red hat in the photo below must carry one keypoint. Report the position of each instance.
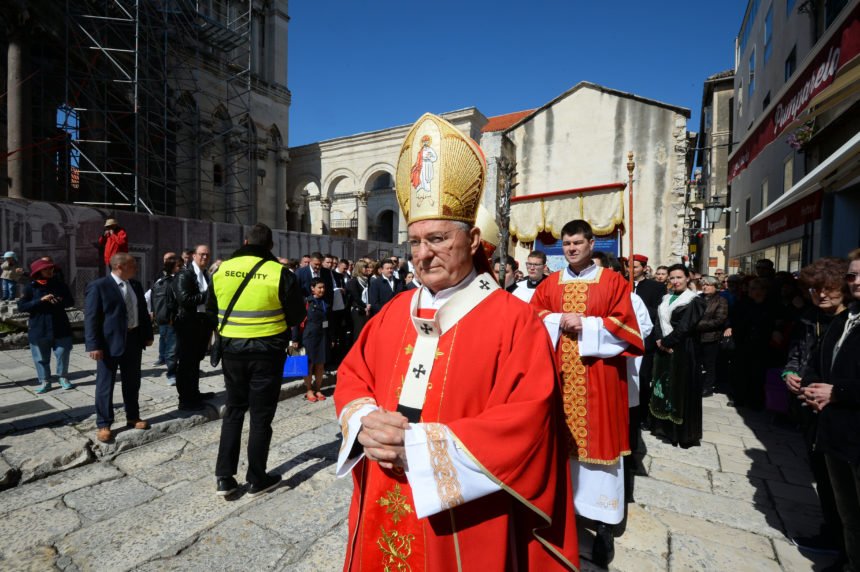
(46, 299)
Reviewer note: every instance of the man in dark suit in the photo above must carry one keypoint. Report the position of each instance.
(193, 328)
(384, 288)
(315, 269)
(117, 328)
(652, 293)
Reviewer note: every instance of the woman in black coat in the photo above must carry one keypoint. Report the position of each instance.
(46, 299)
(676, 397)
(709, 332)
(825, 281)
(832, 387)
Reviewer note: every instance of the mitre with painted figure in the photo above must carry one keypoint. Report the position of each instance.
(440, 173)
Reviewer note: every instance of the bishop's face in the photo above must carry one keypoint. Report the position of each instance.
(442, 252)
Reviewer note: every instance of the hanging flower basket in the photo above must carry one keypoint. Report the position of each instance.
(801, 136)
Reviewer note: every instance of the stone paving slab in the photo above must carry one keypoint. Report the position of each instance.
(39, 444)
(727, 505)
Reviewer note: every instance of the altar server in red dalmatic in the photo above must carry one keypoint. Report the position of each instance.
(590, 318)
(449, 406)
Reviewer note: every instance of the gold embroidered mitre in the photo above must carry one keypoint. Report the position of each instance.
(440, 173)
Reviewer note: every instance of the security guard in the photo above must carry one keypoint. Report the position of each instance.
(255, 337)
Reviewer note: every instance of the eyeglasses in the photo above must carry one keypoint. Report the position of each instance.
(534, 264)
(851, 277)
(815, 292)
(433, 242)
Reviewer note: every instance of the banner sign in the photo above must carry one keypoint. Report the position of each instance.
(803, 211)
(817, 76)
(555, 257)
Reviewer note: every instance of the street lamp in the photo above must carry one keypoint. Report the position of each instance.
(714, 211)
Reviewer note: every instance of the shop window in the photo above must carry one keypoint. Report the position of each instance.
(766, 101)
(748, 210)
(795, 251)
(765, 198)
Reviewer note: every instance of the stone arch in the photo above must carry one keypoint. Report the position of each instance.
(275, 139)
(373, 173)
(336, 178)
(307, 182)
(385, 229)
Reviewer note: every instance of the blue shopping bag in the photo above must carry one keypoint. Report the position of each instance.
(296, 365)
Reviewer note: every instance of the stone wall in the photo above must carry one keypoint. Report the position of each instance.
(69, 234)
(581, 139)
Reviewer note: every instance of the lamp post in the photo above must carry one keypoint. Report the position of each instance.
(714, 211)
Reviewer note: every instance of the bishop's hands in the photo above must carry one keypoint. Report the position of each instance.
(571, 323)
(383, 434)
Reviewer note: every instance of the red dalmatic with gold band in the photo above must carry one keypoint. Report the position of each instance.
(594, 390)
(494, 389)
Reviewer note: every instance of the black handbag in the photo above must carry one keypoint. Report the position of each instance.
(727, 343)
(217, 349)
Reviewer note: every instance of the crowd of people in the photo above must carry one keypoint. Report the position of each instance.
(477, 411)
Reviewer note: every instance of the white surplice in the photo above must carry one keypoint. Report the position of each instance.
(598, 490)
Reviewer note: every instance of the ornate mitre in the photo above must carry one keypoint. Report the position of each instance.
(440, 173)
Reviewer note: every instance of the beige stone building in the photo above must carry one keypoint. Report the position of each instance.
(578, 140)
(709, 242)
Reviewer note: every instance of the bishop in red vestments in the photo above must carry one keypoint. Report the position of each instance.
(589, 315)
(450, 411)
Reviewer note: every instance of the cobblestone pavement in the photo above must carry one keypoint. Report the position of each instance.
(147, 503)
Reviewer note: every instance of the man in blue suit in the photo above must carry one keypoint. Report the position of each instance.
(383, 288)
(315, 269)
(117, 328)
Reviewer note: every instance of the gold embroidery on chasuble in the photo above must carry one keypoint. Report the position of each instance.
(395, 503)
(395, 545)
(573, 371)
(348, 413)
(447, 483)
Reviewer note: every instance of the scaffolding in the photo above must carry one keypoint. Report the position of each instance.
(156, 110)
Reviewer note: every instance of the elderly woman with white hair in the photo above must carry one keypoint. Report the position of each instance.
(709, 332)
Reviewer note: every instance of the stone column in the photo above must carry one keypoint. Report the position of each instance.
(18, 132)
(362, 197)
(294, 213)
(282, 207)
(325, 215)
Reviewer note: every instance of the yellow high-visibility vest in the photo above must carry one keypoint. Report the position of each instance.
(258, 312)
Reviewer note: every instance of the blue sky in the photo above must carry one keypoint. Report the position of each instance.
(362, 65)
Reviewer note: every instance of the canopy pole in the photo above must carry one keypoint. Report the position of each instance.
(630, 167)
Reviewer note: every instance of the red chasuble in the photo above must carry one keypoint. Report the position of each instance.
(494, 386)
(594, 390)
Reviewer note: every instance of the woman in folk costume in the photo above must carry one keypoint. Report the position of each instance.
(448, 403)
(676, 398)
